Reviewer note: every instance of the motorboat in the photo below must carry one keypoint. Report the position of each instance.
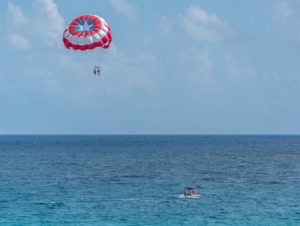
(190, 193)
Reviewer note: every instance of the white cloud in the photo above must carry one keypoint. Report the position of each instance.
(234, 68)
(165, 26)
(200, 71)
(124, 8)
(143, 58)
(130, 76)
(46, 23)
(49, 16)
(136, 76)
(18, 41)
(16, 14)
(202, 26)
(287, 13)
(285, 9)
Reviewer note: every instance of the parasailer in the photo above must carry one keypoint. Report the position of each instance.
(88, 32)
(96, 70)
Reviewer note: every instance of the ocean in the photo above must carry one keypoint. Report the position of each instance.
(136, 180)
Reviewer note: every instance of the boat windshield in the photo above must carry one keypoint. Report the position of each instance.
(190, 191)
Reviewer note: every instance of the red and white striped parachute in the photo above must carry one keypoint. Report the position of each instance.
(87, 32)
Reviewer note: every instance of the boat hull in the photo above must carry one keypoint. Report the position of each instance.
(182, 196)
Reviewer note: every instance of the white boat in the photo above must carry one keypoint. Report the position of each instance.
(190, 193)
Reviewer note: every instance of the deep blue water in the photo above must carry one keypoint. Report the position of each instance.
(135, 180)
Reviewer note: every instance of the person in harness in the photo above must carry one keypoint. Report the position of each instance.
(97, 70)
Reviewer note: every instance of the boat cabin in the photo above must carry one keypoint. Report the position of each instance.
(189, 191)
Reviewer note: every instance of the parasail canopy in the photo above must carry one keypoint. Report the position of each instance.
(87, 32)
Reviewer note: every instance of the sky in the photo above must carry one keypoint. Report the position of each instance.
(174, 67)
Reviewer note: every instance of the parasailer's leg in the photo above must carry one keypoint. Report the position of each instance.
(98, 70)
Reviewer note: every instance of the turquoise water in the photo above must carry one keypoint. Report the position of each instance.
(135, 180)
